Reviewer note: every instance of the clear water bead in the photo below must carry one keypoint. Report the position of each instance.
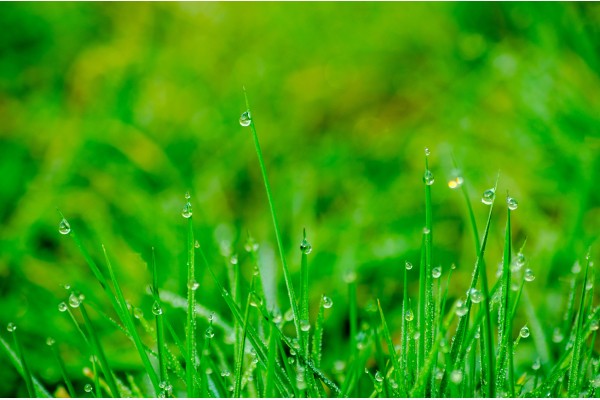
(456, 376)
(11, 327)
(188, 196)
(456, 182)
(156, 308)
(327, 302)
(74, 300)
(409, 315)
(520, 260)
(209, 333)
(305, 247)
(378, 376)
(488, 196)
(245, 118)
(138, 313)
(427, 152)
(197, 244)
(428, 178)
(461, 308)
(536, 365)
(234, 259)
(594, 325)
(62, 306)
(524, 332)
(186, 212)
(304, 325)
(88, 388)
(50, 341)
(476, 296)
(64, 227)
(408, 265)
(436, 272)
(529, 276)
(512, 203)
(193, 285)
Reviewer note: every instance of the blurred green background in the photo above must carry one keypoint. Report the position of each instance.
(110, 112)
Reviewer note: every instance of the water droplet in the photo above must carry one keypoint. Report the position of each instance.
(88, 388)
(557, 335)
(305, 247)
(417, 335)
(524, 332)
(408, 265)
(50, 341)
(327, 302)
(225, 373)
(428, 178)
(536, 365)
(62, 306)
(461, 308)
(156, 308)
(456, 182)
(209, 333)
(427, 152)
(512, 203)
(476, 296)
(289, 315)
(436, 272)
(596, 381)
(277, 318)
(245, 118)
(197, 244)
(409, 315)
(439, 374)
(255, 301)
(66, 286)
(193, 285)
(256, 271)
(186, 212)
(529, 276)
(234, 260)
(426, 231)
(188, 196)
(64, 227)
(350, 276)
(304, 325)
(488, 196)
(11, 327)
(576, 268)
(74, 300)
(594, 325)
(138, 313)
(456, 376)
(250, 245)
(378, 376)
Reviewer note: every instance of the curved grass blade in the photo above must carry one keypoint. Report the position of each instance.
(394, 357)
(22, 366)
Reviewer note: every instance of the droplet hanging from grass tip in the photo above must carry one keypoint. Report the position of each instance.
(408, 265)
(63, 227)
(529, 276)
(156, 308)
(488, 196)
(524, 332)
(428, 178)
(436, 272)
(11, 327)
(62, 307)
(186, 212)
(511, 203)
(245, 119)
(305, 247)
(409, 315)
(74, 300)
(327, 302)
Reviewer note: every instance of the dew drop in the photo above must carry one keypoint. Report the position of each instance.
(512, 203)
(62, 306)
(74, 300)
(193, 285)
(289, 315)
(557, 335)
(461, 308)
(256, 271)
(245, 118)
(11, 327)
(456, 182)
(426, 231)
(488, 196)
(408, 265)
(197, 244)
(596, 381)
(64, 227)
(156, 308)
(66, 286)
(50, 341)
(277, 318)
(427, 152)
(378, 376)
(225, 373)
(594, 325)
(428, 178)
(409, 315)
(88, 388)
(536, 365)
(138, 313)
(188, 196)
(209, 333)
(456, 376)
(186, 212)
(520, 260)
(436, 272)
(524, 332)
(305, 247)
(327, 302)
(304, 325)
(529, 276)
(476, 296)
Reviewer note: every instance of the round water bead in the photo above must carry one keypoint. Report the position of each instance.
(594, 325)
(138, 313)
(327, 302)
(427, 152)
(461, 308)
(245, 118)
(524, 332)
(428, 178)
(456, 376)
(456, 182)
(74, 300)
(11, 327)
(50, 341)
(304, 325)
(305, 247)
(520, 260)
(62, 306)
(488, 196)
(234, 260)
(193, 285)
(197, 244)
(512, 203)
(209, 333)
(436, 272)
(536, 365)
(156, 308)
(409, 315)
(476, 296)
(378, 376)
(529, 276)
(64, 227)
(88, 388)
(186, 212)
(408, 265)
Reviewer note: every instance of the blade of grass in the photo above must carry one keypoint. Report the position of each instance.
(429, 304)
(574, 371)
(273, 340)
(63, 370)
(190, 327)
(239, 361)
(394, 357)
(24, 370)
(317, 345)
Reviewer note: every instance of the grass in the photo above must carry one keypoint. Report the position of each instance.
(454, 348)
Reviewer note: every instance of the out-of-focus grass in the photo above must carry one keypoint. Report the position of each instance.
(112, 111)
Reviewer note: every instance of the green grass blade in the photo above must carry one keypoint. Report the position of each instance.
(429, 303)
(423, 272)
(239, 361)
(273, 341)
(317, 345)
(393, 356)
(286, 274)
(24, 367)
(190, 327)
(63, 370)
(574, 370)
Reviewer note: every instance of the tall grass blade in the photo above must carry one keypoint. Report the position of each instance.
(190, 327)
(24, 367)
(398, 376)
(63, 369)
